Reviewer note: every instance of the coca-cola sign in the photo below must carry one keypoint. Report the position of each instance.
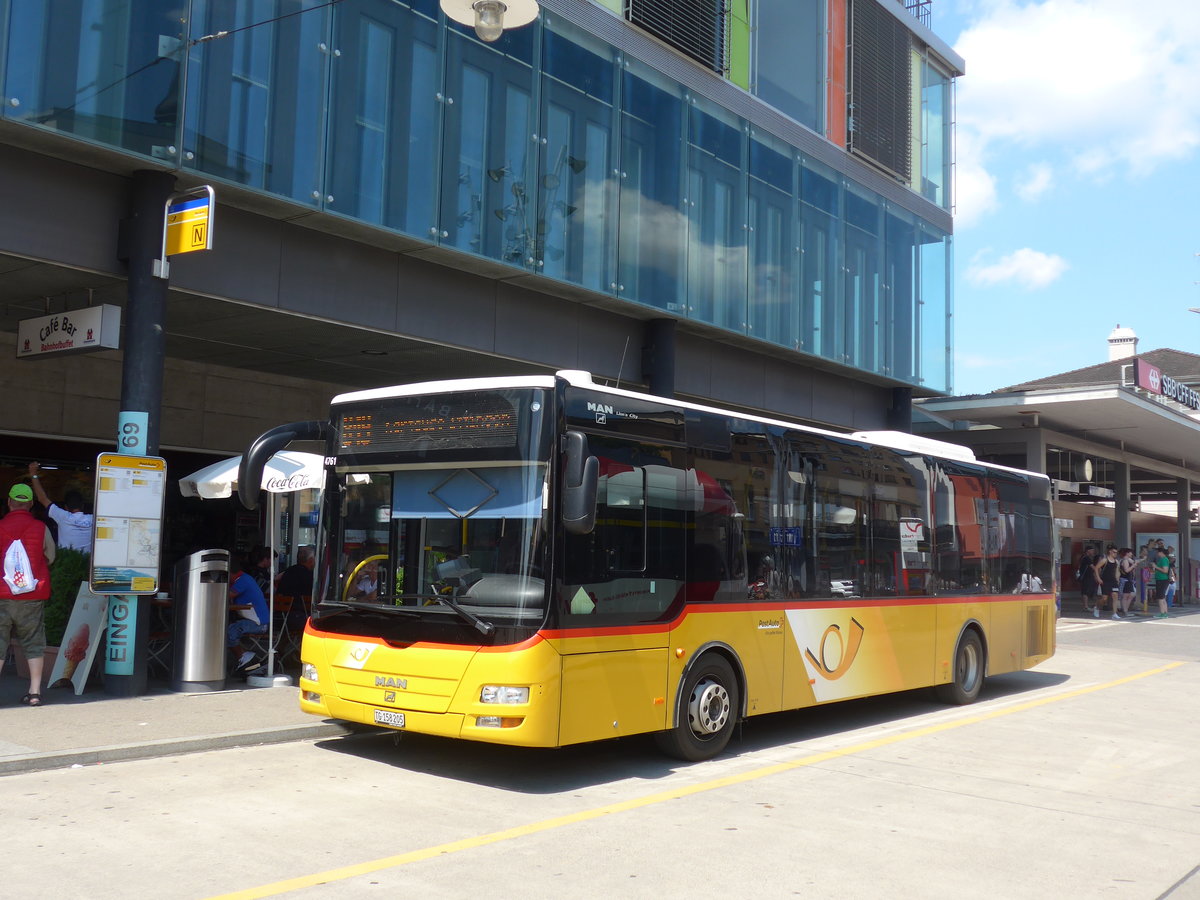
(281, 485)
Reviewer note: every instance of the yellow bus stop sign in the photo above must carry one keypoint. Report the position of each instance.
(189, 225)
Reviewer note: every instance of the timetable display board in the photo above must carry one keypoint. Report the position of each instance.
(127, 545)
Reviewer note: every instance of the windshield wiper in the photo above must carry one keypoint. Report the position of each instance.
(332, 608)
(336, 608)
(484, 627)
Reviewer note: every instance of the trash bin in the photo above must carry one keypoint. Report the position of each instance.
(200, 607)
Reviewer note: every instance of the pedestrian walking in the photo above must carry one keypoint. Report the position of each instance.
(1128, 586)
(1172, 578)
(1162, 577)
(1145, 575)
(26, 551)
(1085, 574)
(1108, 570)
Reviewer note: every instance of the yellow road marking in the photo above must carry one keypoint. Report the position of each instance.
(496, 837)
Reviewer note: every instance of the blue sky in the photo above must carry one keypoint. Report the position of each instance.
(1077, 184)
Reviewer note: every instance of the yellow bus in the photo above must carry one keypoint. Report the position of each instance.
(542, 561)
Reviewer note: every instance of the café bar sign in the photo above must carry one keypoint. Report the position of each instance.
(76, 331)
(1151, 379)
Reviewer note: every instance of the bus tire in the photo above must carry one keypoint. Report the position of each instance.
(707, 714)
(967, 677)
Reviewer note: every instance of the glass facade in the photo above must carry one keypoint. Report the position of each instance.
(789, 58)
(549, 151)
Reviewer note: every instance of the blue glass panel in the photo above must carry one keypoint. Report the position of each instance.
(428, 8)
(936, 135)
(652, 227)
(568, 62)
(773, 304)
(819, 190)
(901, 296)
(772, 165)
(936, 307)
(255, 98)
(104, 70)
(721, 139)
(789, 59)
(862, 212)
(487, 191)
(862, 295)
(576, 184)
(822, 327)
(717, 226)
(384, 113)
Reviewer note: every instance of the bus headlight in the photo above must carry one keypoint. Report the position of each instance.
(308, 671)
(499, 693)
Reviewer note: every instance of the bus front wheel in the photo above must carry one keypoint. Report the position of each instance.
(967, 679)
(707, 714)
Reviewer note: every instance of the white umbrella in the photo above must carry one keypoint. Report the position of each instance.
(286, 471)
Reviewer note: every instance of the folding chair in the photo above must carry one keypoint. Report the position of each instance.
(287, 637)
(160, 643)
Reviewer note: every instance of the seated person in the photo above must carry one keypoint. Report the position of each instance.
(244, 591)
(366, 585)
(258, 566)
(297, 582)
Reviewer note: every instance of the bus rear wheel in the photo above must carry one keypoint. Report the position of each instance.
(967, 679)
(708, 713)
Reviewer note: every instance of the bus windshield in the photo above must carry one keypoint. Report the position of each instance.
(448, 523)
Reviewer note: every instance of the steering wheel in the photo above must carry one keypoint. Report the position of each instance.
(354, 574)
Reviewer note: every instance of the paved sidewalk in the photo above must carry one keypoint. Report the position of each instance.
(96, 727)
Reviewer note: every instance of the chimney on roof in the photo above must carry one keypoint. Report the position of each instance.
(1122, 344)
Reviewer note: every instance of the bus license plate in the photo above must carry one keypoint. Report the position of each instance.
(387, 717)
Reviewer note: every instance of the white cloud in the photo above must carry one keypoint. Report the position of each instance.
(1108, 84)
(1031, 269)
(1038, 179)
(974, 187)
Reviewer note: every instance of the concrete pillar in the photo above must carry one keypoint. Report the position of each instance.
(1035, 450)
(1184, 590)
(899, 414)
(1123, 533)
(658, 357)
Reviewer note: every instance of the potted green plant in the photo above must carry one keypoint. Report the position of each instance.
(67, 572)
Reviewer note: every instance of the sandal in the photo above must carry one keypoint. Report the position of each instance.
(32, 699)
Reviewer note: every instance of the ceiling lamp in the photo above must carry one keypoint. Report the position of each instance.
(491, 17)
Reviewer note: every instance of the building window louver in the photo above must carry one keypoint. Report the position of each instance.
(697, 28)
(880, 88)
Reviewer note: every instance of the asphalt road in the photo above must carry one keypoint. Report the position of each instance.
(1078, 779)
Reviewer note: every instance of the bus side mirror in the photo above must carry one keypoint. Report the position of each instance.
(581, 476)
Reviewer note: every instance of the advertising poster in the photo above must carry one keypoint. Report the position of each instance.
(80, 641)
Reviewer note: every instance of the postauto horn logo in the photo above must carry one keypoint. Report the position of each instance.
(833, 661)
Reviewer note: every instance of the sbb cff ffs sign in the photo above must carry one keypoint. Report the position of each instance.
(1151, 379)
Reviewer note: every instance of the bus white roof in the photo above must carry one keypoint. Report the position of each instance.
(915, 443)
(896, 440)
(448, 386)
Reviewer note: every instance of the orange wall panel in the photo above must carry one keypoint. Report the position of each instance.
(835, 101)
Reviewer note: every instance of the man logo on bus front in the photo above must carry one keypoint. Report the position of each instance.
(848, 648)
